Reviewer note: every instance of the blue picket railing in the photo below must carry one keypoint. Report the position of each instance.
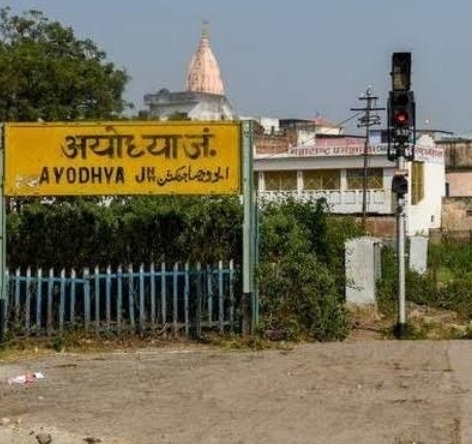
(180, 298)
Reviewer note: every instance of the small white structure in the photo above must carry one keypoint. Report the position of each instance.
(418, 257)
(362, 259)
(269, 125)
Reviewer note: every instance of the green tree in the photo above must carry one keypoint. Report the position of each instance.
(50, 74)
(178, 116)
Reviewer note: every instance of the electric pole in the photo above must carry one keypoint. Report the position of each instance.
(367, 120)
(401, 148)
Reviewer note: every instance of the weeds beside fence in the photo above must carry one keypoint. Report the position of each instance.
(180, 298)
(440, 236)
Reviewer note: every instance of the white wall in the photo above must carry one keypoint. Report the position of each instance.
(427, 213)
(211, 111)
(269, 124)
(333, 131)
(306, 137)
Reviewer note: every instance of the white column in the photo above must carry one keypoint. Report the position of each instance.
(343, 185)
(299, 181)
(261, 185)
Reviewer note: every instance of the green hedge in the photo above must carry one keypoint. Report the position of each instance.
(82, 232)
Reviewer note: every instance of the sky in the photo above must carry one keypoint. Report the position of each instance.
(288, 59)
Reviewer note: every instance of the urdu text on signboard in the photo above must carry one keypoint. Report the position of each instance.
(122, 158)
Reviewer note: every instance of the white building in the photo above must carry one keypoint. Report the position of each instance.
(196, 105)
(332, 168)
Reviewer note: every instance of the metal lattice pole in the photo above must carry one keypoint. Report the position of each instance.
(367, 120)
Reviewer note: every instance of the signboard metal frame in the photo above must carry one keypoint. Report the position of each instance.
(3, 240)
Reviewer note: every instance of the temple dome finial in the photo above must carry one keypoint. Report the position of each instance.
(205, 25)
(203, 73)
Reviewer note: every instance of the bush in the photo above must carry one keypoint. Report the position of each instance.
(299, 296)
(301, 274)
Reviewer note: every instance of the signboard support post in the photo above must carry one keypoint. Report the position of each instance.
(249, 302)
(256, 237)
(3, 293)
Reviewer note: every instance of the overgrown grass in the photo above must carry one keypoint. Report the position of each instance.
(447, 285)
(420, 330)
(80, 341)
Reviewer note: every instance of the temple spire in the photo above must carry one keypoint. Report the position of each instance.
(203, 73)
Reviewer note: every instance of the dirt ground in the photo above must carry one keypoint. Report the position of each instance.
(372, 392)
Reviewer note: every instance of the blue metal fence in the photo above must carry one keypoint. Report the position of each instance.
(179, 298)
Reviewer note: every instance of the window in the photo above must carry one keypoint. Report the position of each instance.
(322, 180)
(280, 180)
(417, 182)
(355, 179)
(384, 136)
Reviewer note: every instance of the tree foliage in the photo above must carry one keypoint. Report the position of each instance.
(179, 116)
(50, 74)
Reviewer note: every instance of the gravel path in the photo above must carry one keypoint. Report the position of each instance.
(372, 392)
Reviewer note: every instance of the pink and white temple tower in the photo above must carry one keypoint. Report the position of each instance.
(204, 96)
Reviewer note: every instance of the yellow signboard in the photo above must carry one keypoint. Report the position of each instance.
(120, 158)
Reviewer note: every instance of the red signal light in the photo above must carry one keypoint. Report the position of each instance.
(401, 118)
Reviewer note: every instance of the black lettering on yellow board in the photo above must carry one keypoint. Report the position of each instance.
(82, 175)
(192, 146)
(183, 174)
(116, 175)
